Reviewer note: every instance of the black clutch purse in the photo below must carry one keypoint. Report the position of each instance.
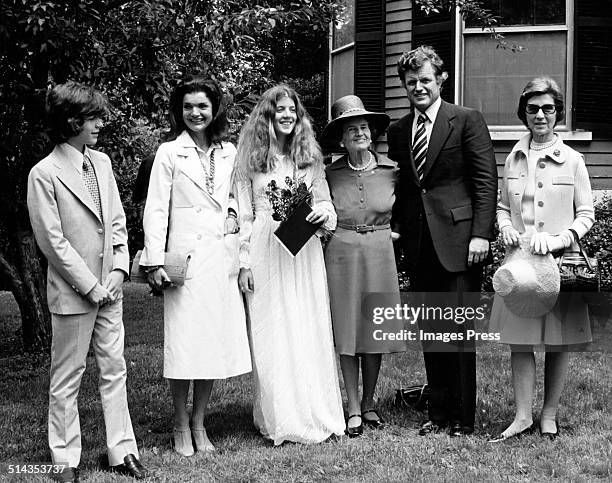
(579, 272)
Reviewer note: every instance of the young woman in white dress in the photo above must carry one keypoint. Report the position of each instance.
(296, 382)
(189, 209)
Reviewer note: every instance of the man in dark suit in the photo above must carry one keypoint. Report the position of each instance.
(444, 213)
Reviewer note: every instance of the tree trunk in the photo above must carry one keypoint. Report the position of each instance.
(28, 285)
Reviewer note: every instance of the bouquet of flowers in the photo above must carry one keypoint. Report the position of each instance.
(285, 200)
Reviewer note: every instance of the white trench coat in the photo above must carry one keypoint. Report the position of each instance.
(205, 333)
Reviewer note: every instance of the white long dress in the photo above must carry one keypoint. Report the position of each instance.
(297, 397)
(205, 334)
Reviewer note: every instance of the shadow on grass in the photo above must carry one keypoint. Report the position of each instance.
(394, 454)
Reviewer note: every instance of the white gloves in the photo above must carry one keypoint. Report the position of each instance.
(543, 242)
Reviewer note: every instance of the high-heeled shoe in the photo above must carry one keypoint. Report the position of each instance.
(202, 443)
(182, 442)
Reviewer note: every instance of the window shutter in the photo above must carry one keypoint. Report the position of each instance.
(370, 53)
(437, 30)
(593, 67)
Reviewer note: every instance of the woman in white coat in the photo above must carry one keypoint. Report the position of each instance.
(190, 209)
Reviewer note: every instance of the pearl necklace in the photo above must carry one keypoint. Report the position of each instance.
(364, 167)
(541, 146)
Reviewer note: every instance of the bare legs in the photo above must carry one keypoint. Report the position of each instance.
(179, 389)
(370, 367)
(523, 380)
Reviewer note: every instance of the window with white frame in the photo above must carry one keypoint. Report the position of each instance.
(342, 52)
(493, 78)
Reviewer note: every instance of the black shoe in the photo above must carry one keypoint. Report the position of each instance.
(503, 437)
(551, 436)
(377, 423)
(429, 427)
(457, 429)
(355, 431)
(66, 475)
(130, 467)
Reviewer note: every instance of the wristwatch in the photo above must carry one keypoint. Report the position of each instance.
(148, 270)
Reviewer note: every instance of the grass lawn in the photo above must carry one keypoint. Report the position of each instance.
(582, 452)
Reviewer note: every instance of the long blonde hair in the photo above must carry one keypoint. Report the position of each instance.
(258, 146)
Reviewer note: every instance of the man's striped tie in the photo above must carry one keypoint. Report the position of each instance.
(419, 146)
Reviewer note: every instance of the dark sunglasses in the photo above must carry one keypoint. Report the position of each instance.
(546, 108)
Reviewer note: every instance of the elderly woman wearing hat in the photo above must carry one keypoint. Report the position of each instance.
(359, 257)
(546, 206)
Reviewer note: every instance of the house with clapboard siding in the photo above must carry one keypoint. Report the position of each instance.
(570, 40)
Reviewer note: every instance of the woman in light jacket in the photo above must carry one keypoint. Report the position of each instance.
(189, 209)
(545, 198)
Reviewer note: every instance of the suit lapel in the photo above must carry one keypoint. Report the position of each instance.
(72, 179)
(439, 134)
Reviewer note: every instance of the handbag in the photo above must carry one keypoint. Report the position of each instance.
(579, 272)
(175, 266)
(415, 397)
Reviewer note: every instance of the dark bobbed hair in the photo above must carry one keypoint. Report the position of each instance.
(537, 87)
(69, 105)
(416, 58)
(197, 83)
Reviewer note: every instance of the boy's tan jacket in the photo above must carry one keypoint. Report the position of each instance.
(81, 248)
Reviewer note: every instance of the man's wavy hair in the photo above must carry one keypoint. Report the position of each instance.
(69, 105)
(416, 58)
(217, 129)
(258, 145)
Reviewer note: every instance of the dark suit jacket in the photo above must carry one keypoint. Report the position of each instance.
(458, 193)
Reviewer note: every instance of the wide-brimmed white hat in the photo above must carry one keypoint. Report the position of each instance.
(528, 283)
(348, 107)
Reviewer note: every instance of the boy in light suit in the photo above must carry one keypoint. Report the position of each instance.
(79, 224)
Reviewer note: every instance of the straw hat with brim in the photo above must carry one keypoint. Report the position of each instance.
(348, 107)
(528, 283)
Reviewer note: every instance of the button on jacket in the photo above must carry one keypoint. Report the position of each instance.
(563, 197)
(81, 248)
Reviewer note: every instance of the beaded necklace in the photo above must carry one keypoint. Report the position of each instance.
(541, 146)
(364, 167)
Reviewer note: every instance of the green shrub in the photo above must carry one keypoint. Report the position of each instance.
(598, 241)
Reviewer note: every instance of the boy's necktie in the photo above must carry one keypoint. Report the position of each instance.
(91, 183)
